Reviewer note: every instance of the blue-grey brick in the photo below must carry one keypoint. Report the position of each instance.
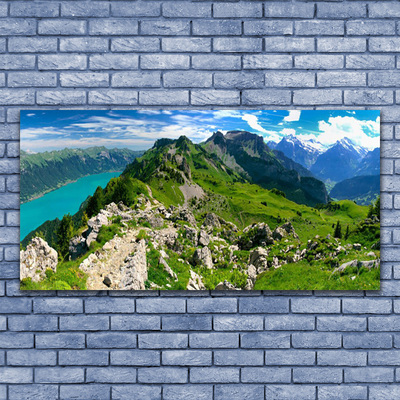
(2, 83)
(341, 323)
(212, 305)
(163, 340)
(109, 306)
(290, 357)
(136, 392)
(135, 9)
(214, 340)
(12, 217)
(381, 392)
(342, 78)
(34, 9)
(367, 306)
(61, 61)
(268, 27)
(317, 375)
(341, 45)
(373, 28)
(384, 357)
(215, 62)
(7, 201)
(321, 340)
(387, 323)
(113, 27)
(181, 9)
(111, 340)
(266, 375)
(370, 61)
(113, 61)
(286, 45)
(342, 10)
(289, 323)
(386, 238)
(264, 305)
(84, 323)
(384, 10)
(396, 303)
(186, 79)
(319, 61)
(239, 323)
(217, 27)
(83, 79)
(267, 340)
(32, 323)
(325, 306)
(15, 305)
(10, 270)
(318, 27)
(16, 97)
(187, 323)
(19, 26)
(163, 375)
(193, 45)
(83, 357)
(384, 78)
(288, 10)
(239, 392)
(87, 45)
(3, 9)
(32, 79)
(367, 340)
(135, 357)
(135, 322)
(33, 392)
(58, 97)
(368, 374)
(135, 44)
(237, 45)
(186, 357)
(237, 10)
(289, 392)
(17, 61)
(368, 97)
(289, 79)
(214, 97)
(3, 322)
(164, 61)
(318, 97)
(177, 98)
(61, 27)
(267, 61)
(85, 392)
(85, 9)
(214, 375)
(164, 27)
(386, 169)
(386, 44)
(268, 97)
(111, 375)
(16, 340)
(344, 392)
(60, 341)
(238, 357)
(16, 375)
(179, 392)
(239, 80)
(391, 150)
(31, 357)
(342, 358)
(60, 375)
(32, 45)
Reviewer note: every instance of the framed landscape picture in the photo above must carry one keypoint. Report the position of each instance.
(200, 200)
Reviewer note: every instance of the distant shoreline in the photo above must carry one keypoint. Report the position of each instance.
(38, 196)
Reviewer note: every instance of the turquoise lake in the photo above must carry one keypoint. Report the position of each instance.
(64, 200)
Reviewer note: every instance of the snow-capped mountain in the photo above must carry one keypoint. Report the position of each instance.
(304, 152)
(339, 162)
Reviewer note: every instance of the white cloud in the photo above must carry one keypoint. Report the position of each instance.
(288, 131)
(294, 115)
(30, 115)
(337, 128)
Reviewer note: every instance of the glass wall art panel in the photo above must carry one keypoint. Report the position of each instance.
(200, 200)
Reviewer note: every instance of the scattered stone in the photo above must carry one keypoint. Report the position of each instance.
(258, 259)
(191, 234)
(371, 254)
(211, 220)
(77, 247)
(204, 238)
(167, 268)
(184, 214)
(195, 282)
(357, 246)
(36, 259)
(107, 281)
(203, 256)
(256, 235)
(225, 285)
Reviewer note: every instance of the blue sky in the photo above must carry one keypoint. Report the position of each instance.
(138, 129)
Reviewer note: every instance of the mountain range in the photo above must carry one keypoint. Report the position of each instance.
(43, 172)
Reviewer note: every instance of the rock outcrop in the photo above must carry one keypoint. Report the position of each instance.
(36, 259)
(256, 235)
(203, 256)
(195, 282)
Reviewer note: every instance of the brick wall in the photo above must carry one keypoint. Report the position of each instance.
(150, 345)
